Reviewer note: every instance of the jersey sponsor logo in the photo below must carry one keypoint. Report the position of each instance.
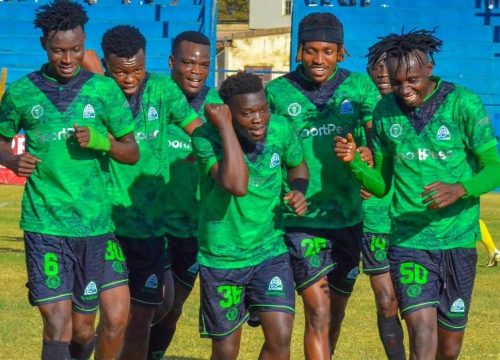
(63, 134)
(353, 274)
(424, 154)
(275, 161)
(152, 114)
(141, 136)
(88, 112)
(275, 284)
(294, 109)
(91, 289)
(396, 130)
(178, 144)
(443, 133)
(151, 282)
(346, 108)
(458, 306)
(37, 111)
(323, 130)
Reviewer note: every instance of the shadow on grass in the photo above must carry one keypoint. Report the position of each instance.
(181, 358)
(10, 250)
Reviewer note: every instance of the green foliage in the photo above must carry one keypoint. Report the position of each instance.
(21, 325)
(233, 11)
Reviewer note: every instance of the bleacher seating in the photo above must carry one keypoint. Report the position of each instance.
(470, 31)
(160, 22)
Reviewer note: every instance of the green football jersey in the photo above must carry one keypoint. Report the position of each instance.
(456, 127)
(333, 196)
(139, 192)
(236, 232)
(67, 193)
(182, 207)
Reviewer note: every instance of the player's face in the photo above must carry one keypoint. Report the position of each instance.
(251, 115)
(380, 77)
(411, 82)
(320, 59)
(190, 65)
(127, 72)
(65, 52)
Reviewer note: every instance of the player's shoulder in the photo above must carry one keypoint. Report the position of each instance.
(277, 83)
(213, 97)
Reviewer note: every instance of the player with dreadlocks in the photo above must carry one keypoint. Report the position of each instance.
(190, 65)
(74, 263)
(140, 192)
(434, 141)
(376, 240)
(242, 152)
(323, 100)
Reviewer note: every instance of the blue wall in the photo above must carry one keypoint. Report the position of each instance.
(20, 49)
(470, 31)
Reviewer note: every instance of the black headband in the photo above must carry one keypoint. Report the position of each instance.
(330, 35)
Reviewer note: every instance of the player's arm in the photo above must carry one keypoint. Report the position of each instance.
(376, 180)
(298, 181)
(189, 128)
(230, 173)
(22, 165)
(440, 194)
(123, 149)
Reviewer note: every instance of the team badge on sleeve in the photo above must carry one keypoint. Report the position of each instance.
(396, 130)
(152, 114)
(346, 108)
(37, 111)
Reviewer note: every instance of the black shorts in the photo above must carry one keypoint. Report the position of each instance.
(374, 253)
(442, 279)
(309, 255)
(227, 295)
(61, 268)
(346, 249)
(145, 260)
(181, 259)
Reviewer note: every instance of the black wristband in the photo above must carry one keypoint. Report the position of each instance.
(299, 184)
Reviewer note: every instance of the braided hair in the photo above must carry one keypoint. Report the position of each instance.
(403, 47)
(60, 15)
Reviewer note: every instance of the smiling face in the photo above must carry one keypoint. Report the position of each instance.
(250, 113)
(320, 59)
(190, 65)
(411, 82)
(65, 52)
(127, 72)
(380, 76)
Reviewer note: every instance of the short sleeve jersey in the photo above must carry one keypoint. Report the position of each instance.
(236, 232)
(457, 127)
(139, 192)
(182, 207)
(318, 116)
(67, 193)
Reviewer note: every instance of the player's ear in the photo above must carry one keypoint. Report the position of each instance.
(429, 68)
(341, 53)
(42, 42)
(171, 62)
(298, 57)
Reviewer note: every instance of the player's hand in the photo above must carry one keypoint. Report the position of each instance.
(218, 115)
(297, 201)
(440, 194)
(23, 165)
(366, 155)
(82, 135)
(345, 148)
(365, 195)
